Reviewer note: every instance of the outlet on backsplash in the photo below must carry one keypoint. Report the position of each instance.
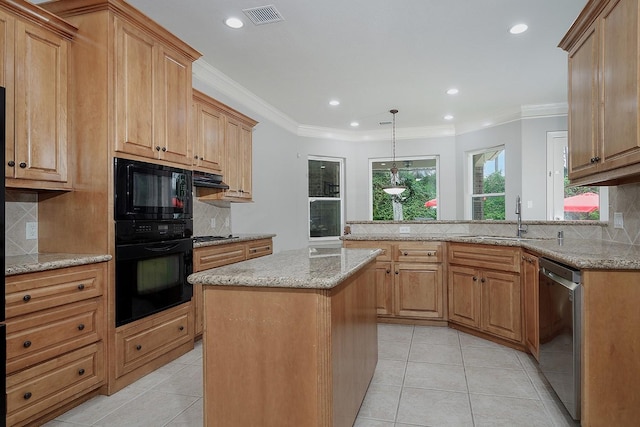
(226, 222)
(618, 221)
(213, 223)
(31, 230)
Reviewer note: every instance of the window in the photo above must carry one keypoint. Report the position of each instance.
(486, 170)
(418, 202)
(325, 198)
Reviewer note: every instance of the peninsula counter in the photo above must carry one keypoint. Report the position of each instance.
(290, 339)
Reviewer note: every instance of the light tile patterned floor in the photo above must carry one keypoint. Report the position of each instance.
(426, 376)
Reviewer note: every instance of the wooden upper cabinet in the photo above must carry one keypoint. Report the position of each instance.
(207, 134)
(35, 71)
(604, 55)
(153, 97)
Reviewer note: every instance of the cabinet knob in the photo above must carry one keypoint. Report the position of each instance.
(157, 148)
(26, 344)
(27, 395)
(80, 371)
(475, 279)
(388, 270)
(195, 157)
(597, 158)
(11, 163)
(80, 286)
(26, 298)
(164, 148)
(483, 280)
(405, 254)
(138, 347)
(23, 165)
(397, 272)
(181, 328)
(81, 326)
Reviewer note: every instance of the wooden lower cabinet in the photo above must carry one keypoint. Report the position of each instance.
(207, 257)
(530, 288)
(409, 279)
(139, 343)
(484, 289)
(56, 325)
(34, 391)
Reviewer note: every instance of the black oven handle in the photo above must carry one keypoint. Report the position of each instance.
(147, 249)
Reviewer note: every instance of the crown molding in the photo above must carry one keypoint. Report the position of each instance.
(215, 79)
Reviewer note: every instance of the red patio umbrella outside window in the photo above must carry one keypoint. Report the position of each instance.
(582, 203)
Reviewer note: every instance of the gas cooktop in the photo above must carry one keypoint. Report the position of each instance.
(199, 239)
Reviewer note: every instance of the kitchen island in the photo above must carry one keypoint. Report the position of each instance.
(290, 339)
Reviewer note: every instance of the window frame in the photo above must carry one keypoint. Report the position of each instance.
(470, 195)
(310, 199)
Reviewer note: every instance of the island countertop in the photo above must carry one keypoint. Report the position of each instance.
(310, 268)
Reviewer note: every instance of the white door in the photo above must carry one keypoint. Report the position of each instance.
(557, 150)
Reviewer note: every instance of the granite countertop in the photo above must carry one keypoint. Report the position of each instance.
(20, 264)
(236, 238)
(308, 268)
(579, 253)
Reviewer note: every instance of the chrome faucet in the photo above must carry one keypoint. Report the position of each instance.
(521, 228)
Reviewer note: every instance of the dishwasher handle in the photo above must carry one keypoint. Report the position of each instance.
(571, 286)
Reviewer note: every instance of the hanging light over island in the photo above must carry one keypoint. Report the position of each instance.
(394, 189)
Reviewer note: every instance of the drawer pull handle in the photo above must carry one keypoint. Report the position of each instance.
(81, 286)
(138, 347)
(81, 371)
(26, 344)
(27, 395)
(81, 326)
(26, 298)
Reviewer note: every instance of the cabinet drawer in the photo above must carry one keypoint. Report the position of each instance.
(143, 341)
(42, 387)
(259, 248)
(418, 252)
(27, 293)
(217, 256)
(40, 336)
(485, 256)
(371, 244)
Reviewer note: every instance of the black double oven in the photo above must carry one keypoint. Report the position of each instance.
(153, 212)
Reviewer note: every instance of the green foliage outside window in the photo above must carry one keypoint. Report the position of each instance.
(421, 187)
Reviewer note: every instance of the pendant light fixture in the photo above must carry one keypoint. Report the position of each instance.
(394, 189)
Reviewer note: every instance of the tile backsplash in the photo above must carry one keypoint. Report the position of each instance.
(211, 218)
(626, 200)
(20, 208)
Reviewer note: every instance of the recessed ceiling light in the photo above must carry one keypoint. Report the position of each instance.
(234, 22)
(448, 117)
(334, 102)
(355, 124)
(518, 28)
(452, 91)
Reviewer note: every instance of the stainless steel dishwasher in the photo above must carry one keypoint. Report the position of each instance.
(560, 308)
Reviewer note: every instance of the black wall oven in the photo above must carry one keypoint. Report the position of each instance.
(154, 223)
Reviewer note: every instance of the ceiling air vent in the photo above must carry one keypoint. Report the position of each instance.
(263, 14)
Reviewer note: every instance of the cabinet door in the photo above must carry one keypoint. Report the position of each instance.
(501, 302)
(209, 138)
(583, 105)
(7, 41)
(384, 288)
(530, 288)
(619, 83)
(464, 296)
(135, 98)
(40, 104)
(245, 162)
(173, 107)
(198, 309)
(230, 171)
(419, 290)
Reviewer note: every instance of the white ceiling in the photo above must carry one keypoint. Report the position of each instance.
(374, 55)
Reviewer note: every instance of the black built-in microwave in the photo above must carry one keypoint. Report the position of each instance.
(148, 191)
